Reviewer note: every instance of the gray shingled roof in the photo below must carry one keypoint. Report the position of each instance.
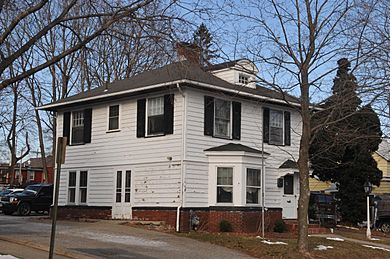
(235, 147)
(289, 164)
(384, 149)
(183, 70)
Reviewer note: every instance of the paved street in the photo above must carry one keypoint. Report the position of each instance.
(103, 239)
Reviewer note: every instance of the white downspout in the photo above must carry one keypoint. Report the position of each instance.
(263, 183)
(183, 125)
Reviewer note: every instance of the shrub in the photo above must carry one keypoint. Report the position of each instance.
(280, 226)
(225, 226)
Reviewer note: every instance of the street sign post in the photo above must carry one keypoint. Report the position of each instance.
(60, 159)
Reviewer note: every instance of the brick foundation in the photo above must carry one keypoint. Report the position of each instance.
(77, 212)
(243, 220)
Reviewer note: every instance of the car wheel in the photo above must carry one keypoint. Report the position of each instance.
(24, 209)
(385, 227)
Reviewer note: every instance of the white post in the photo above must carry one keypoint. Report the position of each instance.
(368, 234)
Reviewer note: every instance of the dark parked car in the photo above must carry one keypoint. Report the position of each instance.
(322, 209)
(382, 212)
(37, 197)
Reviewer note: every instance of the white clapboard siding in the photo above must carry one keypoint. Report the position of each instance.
(153, 161)
(251, 135)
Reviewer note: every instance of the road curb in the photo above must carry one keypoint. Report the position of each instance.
(58, 251)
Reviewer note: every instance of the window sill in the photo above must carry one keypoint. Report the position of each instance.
(224, 204)
(77, 144)
(113, 131)
(155, 135)
(220, 137)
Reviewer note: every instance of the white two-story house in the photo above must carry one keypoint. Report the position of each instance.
(180, 141)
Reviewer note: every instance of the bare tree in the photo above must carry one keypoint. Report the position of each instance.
(101, 15)
(296, 44)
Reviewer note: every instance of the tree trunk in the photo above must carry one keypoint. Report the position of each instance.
(303, 165)
(12, 137)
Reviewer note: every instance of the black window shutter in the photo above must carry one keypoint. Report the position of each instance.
(168, 113)
(208, 115)
(236, 120)
(266, 125)
(141, 106)
(287, 129)
(87, 125)
(66, 127)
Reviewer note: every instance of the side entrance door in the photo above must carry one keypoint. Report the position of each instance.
(290, 196)
(122, 195)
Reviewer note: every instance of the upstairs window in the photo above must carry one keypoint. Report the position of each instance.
(276, 127)
(113, 117)
(155, 116)
(243, 79)
(155, 113)
(78, 127)
(222, 118)
(225, 184)
(253, 181)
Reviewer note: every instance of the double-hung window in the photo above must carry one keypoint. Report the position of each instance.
(222, 117)
(276, 127)
(72, 187)
(83, 186)
(77, 187)
(155, 113)
(253, 182)
(78, 127)
(224, 184)
(113, 117)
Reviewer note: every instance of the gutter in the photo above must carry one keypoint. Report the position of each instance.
(177, 82)
(183, 153)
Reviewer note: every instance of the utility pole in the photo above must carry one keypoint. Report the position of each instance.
(60, 159)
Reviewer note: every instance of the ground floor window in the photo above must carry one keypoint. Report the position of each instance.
(77, 187)
(225, 184)
(253, 185)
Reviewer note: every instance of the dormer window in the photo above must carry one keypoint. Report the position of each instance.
(243, 79)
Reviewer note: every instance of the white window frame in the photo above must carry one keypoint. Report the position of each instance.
(217, 185)
(119, 118)
(269, 127)
(253, 186)
(71, 127)
(147, 116)
(71, 187)
(230, 128)
(243, 79)
(77, 187)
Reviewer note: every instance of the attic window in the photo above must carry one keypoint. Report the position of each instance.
(243, 79)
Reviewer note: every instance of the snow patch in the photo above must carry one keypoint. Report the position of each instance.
(268, 242)
(322, 247)
(375, 239)
(377, 247)
(8, 257)
(335, 239)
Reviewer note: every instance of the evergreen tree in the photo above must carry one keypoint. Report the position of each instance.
(204, 40)
(344, 138)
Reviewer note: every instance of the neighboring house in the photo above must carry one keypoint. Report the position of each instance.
(30, 172)
(180, 141)
(382, 157)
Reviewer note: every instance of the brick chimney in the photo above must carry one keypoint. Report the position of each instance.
(188, 51)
